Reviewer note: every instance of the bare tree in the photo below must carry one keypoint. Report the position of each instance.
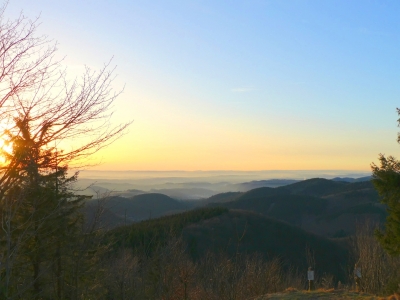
(379, 271)
(26, 60)
(52, 124)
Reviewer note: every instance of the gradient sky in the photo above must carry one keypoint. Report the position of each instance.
(239, 85)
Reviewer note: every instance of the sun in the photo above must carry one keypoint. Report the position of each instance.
(5, 147)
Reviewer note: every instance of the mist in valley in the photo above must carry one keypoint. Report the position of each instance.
(190, 185)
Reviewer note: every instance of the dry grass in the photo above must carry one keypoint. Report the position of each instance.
(292, 294)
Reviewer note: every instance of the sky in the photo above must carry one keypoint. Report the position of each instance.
(238, 85)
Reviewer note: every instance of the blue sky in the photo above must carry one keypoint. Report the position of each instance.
(239, 85)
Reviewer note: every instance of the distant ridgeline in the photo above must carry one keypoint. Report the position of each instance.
(326, 207)
(331, 208)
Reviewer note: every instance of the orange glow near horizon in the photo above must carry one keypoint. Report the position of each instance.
(4, 147)
(228, 152)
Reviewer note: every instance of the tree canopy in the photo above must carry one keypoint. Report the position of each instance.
(386, 179)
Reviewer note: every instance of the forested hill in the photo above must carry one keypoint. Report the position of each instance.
(326, 207)
(117, 211)
(223, 232)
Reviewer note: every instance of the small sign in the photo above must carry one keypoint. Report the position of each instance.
(357, 272)
(310, 275)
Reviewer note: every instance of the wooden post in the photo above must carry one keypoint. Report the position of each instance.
(310, 277)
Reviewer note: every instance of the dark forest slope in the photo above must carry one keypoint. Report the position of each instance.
(231, 233)
(245, 232)
(317, 205)
(316, 187)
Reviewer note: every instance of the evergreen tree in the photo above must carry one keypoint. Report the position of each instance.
(386, 179)
(45, 217)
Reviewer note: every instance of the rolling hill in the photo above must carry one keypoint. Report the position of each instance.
(219, 198)
(235, 232)
(119, 210)
(316, 187)
(245, 232)
(325, 207)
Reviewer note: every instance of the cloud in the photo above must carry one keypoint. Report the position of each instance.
(244, 89)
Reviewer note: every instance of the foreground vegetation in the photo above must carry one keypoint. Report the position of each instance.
(171, 271)
(332, 294)
(155, 259)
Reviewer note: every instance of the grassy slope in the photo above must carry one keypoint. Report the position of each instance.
(321, 294)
